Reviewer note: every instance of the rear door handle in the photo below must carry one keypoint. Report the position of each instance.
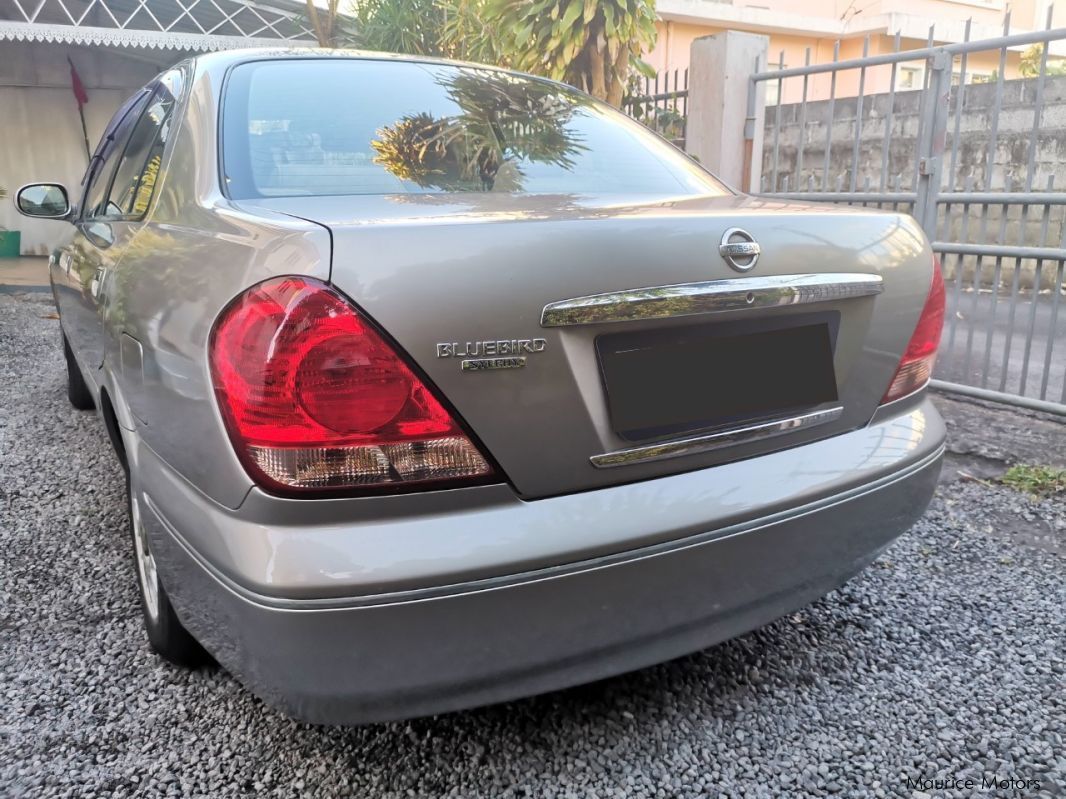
(97, 282)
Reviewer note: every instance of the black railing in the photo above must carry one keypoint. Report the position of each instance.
(661, 103)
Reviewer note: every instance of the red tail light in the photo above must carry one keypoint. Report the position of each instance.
(314, 398)
(916, 367)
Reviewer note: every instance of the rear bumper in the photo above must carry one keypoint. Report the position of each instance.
(435, 648)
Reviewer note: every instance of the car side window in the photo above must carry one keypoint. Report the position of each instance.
(138, 170)
(105, 159)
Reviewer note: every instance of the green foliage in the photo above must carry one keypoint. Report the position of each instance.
(400, 26)
(440, 28)
(1029, 65)
(1040, 481)
(667, 119)
(667, 122)
(590, 44)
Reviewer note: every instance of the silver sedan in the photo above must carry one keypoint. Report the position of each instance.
(437, 385)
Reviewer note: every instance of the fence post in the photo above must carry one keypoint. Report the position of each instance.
(931, 145)
(719, 70)
(754, 126)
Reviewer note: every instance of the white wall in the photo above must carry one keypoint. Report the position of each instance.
(40, 133)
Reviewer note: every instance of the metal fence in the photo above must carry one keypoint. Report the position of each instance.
(973, 160)
(660, 107)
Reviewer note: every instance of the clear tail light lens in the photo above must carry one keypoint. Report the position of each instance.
(916, 367)
(314, 398)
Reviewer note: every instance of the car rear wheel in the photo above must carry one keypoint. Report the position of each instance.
(77, 391)
(166, 634)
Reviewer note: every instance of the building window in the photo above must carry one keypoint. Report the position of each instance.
(772, 96)
(909, 78)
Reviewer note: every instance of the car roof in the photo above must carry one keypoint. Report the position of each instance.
(225, 58)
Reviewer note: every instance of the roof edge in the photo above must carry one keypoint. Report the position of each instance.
(136, 39)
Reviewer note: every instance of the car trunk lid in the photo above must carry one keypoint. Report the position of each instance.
(556, 391)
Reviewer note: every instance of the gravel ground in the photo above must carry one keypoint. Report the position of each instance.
(945, 659)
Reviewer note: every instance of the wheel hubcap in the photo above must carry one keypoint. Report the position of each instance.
(145, 563)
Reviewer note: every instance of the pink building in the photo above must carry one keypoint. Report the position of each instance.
(798, 26)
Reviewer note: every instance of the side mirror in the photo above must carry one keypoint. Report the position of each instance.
(43, 200)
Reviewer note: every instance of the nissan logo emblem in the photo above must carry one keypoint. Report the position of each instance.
(739, 249)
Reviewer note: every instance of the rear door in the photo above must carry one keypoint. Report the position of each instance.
(81, 264)
(115, 209)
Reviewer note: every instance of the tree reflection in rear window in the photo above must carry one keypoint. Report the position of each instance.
(359, 126)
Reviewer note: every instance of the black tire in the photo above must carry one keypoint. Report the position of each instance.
(77, 392)
(166, 634)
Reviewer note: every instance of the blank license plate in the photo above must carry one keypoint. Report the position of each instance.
(669, 381)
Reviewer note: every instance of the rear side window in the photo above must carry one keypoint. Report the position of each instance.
(351, 126)
(106, 158)
(135, 178)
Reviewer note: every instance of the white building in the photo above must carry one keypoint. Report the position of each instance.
(116, 46)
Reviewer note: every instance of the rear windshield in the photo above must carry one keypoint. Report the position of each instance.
(350, 126)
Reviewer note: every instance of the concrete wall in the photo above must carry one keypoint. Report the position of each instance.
(40, 133)
(1009, 161)
(1006, 170)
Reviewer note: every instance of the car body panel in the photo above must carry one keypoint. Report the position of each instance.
(354, 548)
(164, 283)
(177, 279)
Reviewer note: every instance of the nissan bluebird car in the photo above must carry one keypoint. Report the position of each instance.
(437, 385)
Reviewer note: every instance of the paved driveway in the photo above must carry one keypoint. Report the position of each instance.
(944, 660)
(1018, 345)
(24, 273)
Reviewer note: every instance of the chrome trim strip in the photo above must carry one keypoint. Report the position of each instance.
(712, 296)
(713, 441)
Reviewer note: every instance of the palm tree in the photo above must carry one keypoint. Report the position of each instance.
(327, 23)
(591, 44)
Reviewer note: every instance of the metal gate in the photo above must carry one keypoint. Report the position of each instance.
(969, 156)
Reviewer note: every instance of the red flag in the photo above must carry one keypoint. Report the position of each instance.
(77, 86)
